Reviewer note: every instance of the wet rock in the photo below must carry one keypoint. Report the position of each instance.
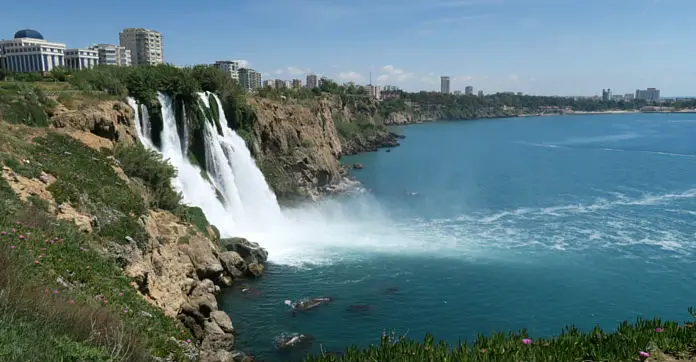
(250, 251)
(233, 263)
(256, 269)
(358, 166)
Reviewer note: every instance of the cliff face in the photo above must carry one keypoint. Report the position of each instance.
(173, 264)
(298, 144)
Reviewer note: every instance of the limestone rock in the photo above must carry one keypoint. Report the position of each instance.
(256, 269)
(111, 120)
(223, 320)
(233, 263)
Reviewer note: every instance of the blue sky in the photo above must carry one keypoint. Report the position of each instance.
(563, 47)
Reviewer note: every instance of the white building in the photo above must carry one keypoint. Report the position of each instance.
(111, 54)
(269, 83)
(312, 81)
(79, 59)
(445, 84)
(230, 67)
(29, 52)
(469, 90)
(249, 79)
(145, 45)
(373, 91)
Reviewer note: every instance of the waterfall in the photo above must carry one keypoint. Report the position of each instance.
(231, 165)
(233, 193)
(196, 190)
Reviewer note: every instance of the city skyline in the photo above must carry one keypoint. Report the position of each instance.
(528, 46)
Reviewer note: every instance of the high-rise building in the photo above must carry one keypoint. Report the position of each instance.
(650, 94)
(249, 79)
(445, 84)
(373, 91)
(279, 83)
(29, 52)
(145, 45)
(111, 54)
(230, 67)
(629, 96)
(268, 83)
(469, 90)
(480, 93)
(606, 94)
(312, 81)
(297, 83)
(79, 59)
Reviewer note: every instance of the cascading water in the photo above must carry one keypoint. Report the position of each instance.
(232, 167)
(194, 188)
(237, 200)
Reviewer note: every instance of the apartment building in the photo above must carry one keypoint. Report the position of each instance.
(145, 45)
(112, 54)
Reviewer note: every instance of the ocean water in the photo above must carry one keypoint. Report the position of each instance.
(493, 225)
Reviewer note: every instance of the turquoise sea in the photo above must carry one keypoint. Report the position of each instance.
(495, 225)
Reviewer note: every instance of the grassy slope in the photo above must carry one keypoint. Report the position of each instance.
(44, 249)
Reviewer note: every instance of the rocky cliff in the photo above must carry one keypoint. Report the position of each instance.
(173, 264)
(298, 144)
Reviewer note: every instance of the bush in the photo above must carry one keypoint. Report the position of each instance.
(153, 170)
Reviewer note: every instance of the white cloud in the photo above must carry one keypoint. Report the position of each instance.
(383, 78)
(514, 78)
(396, 73)
(278, 71)
(296, 71)
(243, 63)
(350, 76)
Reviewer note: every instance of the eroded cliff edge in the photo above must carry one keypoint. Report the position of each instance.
(298, 144)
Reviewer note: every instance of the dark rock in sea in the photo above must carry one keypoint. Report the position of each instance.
(250, 251)
(358, 166)
(391, 290)
(388, 150)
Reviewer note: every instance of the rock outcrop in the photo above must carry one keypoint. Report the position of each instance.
(298, 144)
(111, 120)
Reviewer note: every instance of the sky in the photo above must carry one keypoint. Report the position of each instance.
(549, 47)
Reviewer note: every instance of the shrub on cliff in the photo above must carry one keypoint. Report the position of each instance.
(157, 173)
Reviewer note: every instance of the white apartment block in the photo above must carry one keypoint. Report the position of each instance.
(145, 45)
(312, 81)
(29, 52)
(373, 91)
(230, 67)
(268, 83)
(111, 54)
(249, 79)
(79, 59)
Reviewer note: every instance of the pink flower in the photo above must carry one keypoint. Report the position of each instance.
(36, 262)
(188, 341)
(3, 233)
(56, 291)
(125, 310)
(21, 236)
(644, 354)
(527, 341)
(658, 330)
(12, 246)
(71, 301)
(120, 294)
(14, 230)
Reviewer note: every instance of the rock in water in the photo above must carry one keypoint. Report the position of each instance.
(250, 251)
(358, 166)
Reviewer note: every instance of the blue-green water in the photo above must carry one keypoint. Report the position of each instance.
(530, 223)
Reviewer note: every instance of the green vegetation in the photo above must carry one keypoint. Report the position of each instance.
(149, 166)
(654, 337)
(61, 299)
(22, 103)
